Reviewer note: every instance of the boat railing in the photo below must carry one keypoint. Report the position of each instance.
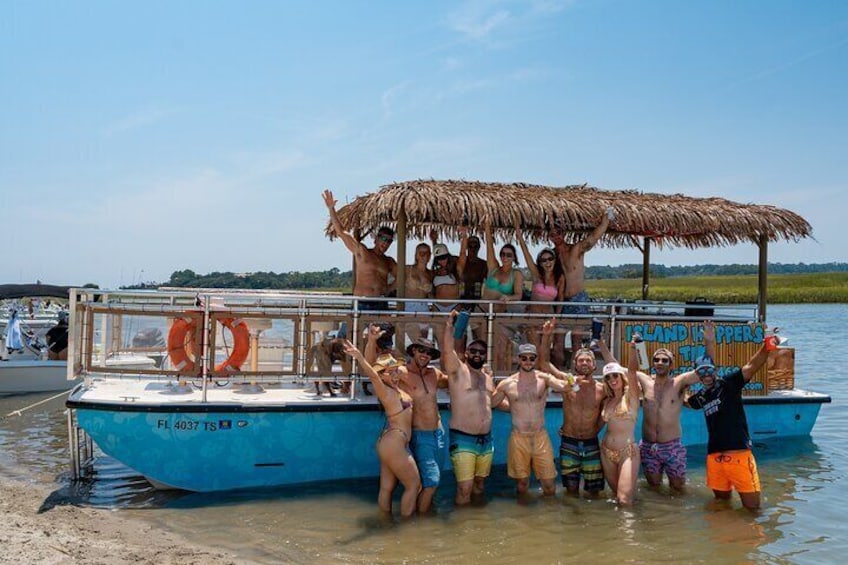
(220, 336)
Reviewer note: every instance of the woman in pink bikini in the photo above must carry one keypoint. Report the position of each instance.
(396, 462)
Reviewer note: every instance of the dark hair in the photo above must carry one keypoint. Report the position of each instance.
(511, 247)
(558, 272)
(386, 230)
(386, 341)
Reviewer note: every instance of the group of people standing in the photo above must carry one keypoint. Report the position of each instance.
(411, 446)
(412, 443)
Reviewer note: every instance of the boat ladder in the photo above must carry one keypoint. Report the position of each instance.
(81, 448)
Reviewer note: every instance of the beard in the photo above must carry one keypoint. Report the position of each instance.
(476, 362)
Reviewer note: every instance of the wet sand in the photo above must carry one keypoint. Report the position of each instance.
(32, 532)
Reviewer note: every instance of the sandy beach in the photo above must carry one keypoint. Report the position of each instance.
(74, 534)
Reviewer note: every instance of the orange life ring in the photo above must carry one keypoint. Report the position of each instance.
(241, 345)
(182, 345)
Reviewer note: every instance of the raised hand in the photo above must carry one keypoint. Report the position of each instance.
(329, 200)
(548, 327)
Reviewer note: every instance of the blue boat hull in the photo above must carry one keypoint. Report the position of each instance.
(223, 448)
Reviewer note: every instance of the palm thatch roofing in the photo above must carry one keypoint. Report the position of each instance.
(669, 219)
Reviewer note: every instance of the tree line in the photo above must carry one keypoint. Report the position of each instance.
(343, 280)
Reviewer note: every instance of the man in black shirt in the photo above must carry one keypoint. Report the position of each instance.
(730, 463)
(57, 339)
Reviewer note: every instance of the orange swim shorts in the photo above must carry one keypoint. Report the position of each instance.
(733, 469)
(530, 448)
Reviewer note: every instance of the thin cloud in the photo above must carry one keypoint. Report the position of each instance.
(136, 120)
(481, 20)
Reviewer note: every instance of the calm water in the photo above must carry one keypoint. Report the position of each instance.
(802, 520)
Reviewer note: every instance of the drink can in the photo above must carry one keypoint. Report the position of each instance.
(460, 324)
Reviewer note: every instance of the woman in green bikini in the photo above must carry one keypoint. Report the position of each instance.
(505, 284)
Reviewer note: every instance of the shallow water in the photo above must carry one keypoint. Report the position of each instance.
(801, 521)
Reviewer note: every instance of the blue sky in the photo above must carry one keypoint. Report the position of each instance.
(142, 138)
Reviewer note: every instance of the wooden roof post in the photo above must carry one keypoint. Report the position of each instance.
(357, 234)
(762, 279)
(646, 267)
(400, 237)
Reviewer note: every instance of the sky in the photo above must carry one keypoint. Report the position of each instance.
(138, 139)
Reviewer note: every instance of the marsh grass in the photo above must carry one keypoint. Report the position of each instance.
(823, 288)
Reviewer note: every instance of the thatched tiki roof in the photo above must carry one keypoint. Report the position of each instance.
(642, 219)
(669, 220)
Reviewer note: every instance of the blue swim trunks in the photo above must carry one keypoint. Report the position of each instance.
(428, 450)
(581, 296)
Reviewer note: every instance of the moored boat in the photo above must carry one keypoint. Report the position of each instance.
(233, 403)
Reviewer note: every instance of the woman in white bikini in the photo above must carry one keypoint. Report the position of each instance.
(396, 462)
(619, 450)
(419, 284)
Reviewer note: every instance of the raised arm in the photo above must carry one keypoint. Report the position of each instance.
(755, 363)
(710, 339)
(350, 242)
(463, 252)
(545, 351)
(491, 258)
(590, 240)
(633, 388)
(528, 259)
(374, 333)
(379, 385)
(450, 360)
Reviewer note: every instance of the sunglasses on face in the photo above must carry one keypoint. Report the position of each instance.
(662, 360)
(546, 260)
(385, 239)
(422, 350)
(507, 255)
(526, 357)
(475, 351)
(612, 377)
(705, 371)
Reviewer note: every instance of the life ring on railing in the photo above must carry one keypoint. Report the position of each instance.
(182, 345)
(241, 345)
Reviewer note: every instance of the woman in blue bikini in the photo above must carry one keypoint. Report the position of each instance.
(396, 462)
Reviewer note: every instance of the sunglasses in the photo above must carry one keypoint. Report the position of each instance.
(475, 351)
(422, 350)
(705, 371)
(546, 260)
(385, 239)
(662, 360)
(612, 377)
(526, 357)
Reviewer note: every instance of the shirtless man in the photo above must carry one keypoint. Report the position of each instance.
(527, 391)
(661, 449)
(579, 452)
(373, 267)
(421, 382)
(471, 388)
(476, 269)
(572, 258)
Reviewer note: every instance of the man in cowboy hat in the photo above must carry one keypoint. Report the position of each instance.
(421, 382)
